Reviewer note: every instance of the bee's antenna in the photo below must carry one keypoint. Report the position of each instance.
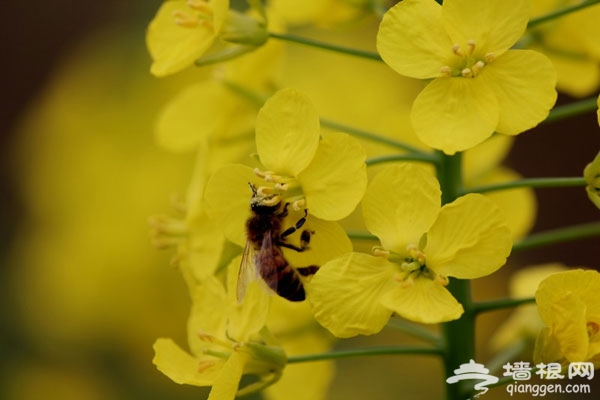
(253, 188)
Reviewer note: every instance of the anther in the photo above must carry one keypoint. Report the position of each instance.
(379, 252)
(470, 46)
(281, 186)
(200, 5)
(204, 365)
(442, 280)
(467, 73)
(446, 71)
(456, 49)
(477, 67)
(184, 20)
(407, 282)
(489, 57)
(298, 205)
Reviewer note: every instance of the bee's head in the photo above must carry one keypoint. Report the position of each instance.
(263, 202)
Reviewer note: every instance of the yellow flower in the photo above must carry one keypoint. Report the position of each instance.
(479, 86)
(424, 244)
(211, 113)
(591, 174)
(224, 341)
(524, 323)
(326, 176)
(184, 30)
(571, 43)
(569, 305)
(300, 335)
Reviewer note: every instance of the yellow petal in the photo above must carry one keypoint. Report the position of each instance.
(191, 117)
(174, 47)
(181, 367)
(569, 326)
(418, 52)
(345, 294)
(494, 25)
(400, 205)
(287, 132)
(202, 112)
(208, 313)
(327, 241)
(469, 239)
(584, 283)
(226, 384)
(423, 301)
(455, 114)
(518, 205)
(250, 316)
(227, 197)
(547, 348)
(336, 179)
(524, 83)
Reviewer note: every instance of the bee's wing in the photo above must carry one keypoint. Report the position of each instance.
(247, 272)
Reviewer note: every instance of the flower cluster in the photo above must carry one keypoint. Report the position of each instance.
(281, 199)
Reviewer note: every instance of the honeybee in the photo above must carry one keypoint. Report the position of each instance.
(265, 240)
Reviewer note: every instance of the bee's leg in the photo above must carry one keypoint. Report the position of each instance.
(294, 228)
(283, 213)
(308, 271)
(304, 241)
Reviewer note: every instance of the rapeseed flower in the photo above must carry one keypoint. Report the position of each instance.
(479, 85)
(569, 305)
(225, 343)
(184, 30)
(423, 244)
(326, 176)
(591, 174)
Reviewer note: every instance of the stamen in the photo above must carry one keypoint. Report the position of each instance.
(442, 280)
(416, 254)
(200, 5)
(446, 71)
(478, 67)
(489, 57)
(470, 46)
(407, 282)
(282, 187)
(209, 338)
(298, 205)
(204, 365)
(467, 73)
(379, 252)
(184, 20)
(456, 49)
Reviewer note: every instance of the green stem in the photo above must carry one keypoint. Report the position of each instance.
(326, 46)
(365, 352)
(374, 137)
(419, 157)
(259, 100)
(528, 182)
(572, 109)
(560, 235)
(459, 335)
(415, 330)
(560, 12)
(483, 306)
(361, 235)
